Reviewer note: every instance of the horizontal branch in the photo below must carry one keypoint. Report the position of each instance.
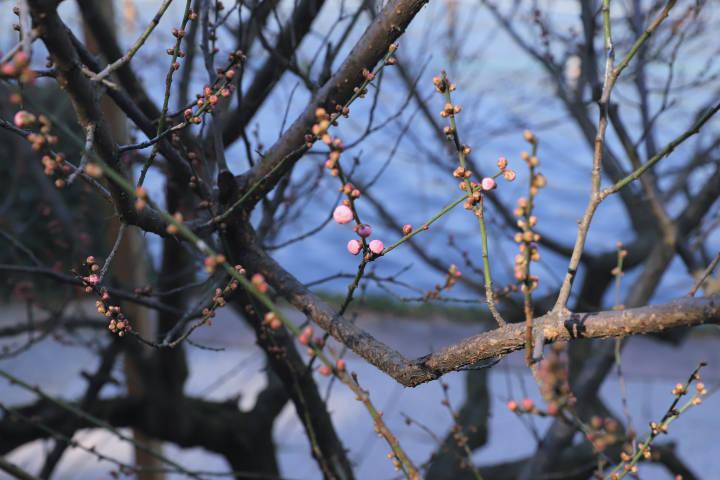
(553, 327)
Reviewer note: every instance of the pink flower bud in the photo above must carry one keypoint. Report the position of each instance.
(502, 163)
(509, 175)
(376, 246)
(364, 230)
(343, 214)
(92, 279)
(354, 247)
(488, 183)
(407, 228)
(23, 118)
(325, 370)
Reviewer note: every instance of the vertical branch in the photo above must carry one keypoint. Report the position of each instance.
(475, 201)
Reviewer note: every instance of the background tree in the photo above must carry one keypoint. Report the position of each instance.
(268, 124)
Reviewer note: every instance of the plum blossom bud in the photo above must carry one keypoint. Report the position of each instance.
(364, 230)
(340, 364)
(512, 405)
(343, 214)
(325, 371)
(502, 163)
(354, 247)
(23, 119)
(407, 228)
(376, 247)
(488, 183)
(509, 175)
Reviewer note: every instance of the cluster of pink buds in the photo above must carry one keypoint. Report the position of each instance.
(527, 405)
(272, 321)
(92, 279)
(172, 228)
(350, 190)
(306, 338)
(118, 323)
(141, 198)
(323, 122)
(222, 88)
(442, 85)
(220, 296)
(507, 174)
(211, 262)
(451, 278)
(258, 281)
(554, 386)
(306, 335)
(450, 110)
(53, 163)
(553, 375)
(18, 68)
(605, 432)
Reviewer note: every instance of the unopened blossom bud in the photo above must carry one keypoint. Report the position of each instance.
(340, 365)
(23, 119)
(488, 183)
(512, 405)
(376, 247)
(325, 371)
(342, 214)
(354, 247)
(364, 230)
(406, 229)
(529, 136)
(509, 175)
(528, 405)
(502, 163)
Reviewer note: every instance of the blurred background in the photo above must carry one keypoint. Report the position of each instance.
(517, 65)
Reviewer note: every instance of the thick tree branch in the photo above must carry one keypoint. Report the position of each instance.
(369, 50)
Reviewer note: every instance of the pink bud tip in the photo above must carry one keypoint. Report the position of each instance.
(92, 279)
(502, 163)
(325, 370)
(488, 183)
(343, 214)
(354, 247)
(364, 230)
(376, 246)
(512, 405)
(407, 228)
